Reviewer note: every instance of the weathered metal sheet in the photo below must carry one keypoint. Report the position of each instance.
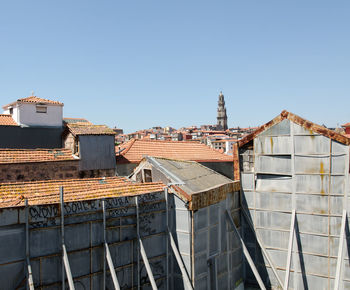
(312, 145)
(311, 164)
(272, 183)
(272, 145)
(273, 164)
(282, 128)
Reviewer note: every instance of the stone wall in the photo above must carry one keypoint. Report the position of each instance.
(33, 171)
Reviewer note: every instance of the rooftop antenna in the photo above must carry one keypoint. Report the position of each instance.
(32, 93)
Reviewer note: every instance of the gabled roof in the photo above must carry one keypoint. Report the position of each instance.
(34, 100)
(193, 182)
(7, 120)
(89, 129)
(134, 150)
(47, 192)
(297, 120)
(346, 125)
(35, 155)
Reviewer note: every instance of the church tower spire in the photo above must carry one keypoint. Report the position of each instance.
(222, 117)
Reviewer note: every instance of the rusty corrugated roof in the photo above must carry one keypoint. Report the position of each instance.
(300, 121)
(7, 120)
(135, 150)
(47, 192)
(34, 155)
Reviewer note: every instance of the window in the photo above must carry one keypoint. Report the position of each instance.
(11, 111)
(41, 109)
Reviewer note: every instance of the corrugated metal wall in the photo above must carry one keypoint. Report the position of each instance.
(84, 242)
(97, 152)
(288, 167)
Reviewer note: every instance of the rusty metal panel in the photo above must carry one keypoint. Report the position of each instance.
(272, 145)
(312, 184)
(311, 164)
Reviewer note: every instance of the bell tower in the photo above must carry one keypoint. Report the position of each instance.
(222, 117)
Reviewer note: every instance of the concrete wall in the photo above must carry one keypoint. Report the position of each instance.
(30, 138)
(33, 171)
(84, 237)
(125, 169)
(288, 167)
(97, 152)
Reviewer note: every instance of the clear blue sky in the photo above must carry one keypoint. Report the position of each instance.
(138, 64)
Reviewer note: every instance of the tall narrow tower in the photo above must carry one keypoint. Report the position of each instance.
(222, 117)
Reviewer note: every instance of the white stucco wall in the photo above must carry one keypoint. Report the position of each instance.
(29, 117)
(15, 115)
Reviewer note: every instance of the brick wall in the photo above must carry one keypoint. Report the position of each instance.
(33, 171)
(97, 173)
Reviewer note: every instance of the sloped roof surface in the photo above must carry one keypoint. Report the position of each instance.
(47, 192)
(195, 176)
(34, 155)
(300, 121)
(7, 120)
(89, 129)
(135, 150)
(76, 121)
(35, 100)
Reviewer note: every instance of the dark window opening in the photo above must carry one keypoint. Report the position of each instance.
(41, 109)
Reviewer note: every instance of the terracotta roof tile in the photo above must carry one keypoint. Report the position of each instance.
(89, 129)
(34, 155)
(7, 120)
(135, 150)
(47, 192)
(346, 125)
(35, 100)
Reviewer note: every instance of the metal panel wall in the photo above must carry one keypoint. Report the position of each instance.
(97, 152)
(84, 242)
(296, 169)
(214, 238)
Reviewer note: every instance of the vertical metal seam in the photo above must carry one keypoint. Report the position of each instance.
(138, 243)
(294, 244)
(329, 212)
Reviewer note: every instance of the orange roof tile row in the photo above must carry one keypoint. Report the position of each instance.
(35, 100)
(47, 192)
(34, 155)
(7, 120)
(135, 150)
(89, 129)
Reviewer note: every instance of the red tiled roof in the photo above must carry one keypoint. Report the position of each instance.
(89, 129)
(7, 120)
(346, 125)
(135, 150)
(34, 155)
(35, 100)
(47, 192)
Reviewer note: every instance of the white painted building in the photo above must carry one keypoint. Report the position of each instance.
(36, 112)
